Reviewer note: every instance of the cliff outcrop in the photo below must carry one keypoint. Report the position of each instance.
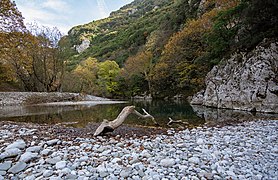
(246, 81)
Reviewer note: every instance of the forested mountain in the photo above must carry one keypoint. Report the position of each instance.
(126, 31)
(134, 37)
(166, 47)
(157, 47)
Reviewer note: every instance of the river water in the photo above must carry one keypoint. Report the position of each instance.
(80, 114)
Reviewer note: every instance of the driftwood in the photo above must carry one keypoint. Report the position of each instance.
(110, 126)
(171, 121)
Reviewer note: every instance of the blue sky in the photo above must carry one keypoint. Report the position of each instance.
(65, 14)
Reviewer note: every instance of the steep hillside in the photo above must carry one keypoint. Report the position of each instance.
(125, 31)
(163, 48)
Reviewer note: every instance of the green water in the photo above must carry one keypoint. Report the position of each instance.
(81, 115)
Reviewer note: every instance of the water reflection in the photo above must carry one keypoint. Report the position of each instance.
(80, 115)
(83, 114)
(214, 117)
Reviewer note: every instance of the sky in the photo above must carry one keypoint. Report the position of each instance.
(65, 14)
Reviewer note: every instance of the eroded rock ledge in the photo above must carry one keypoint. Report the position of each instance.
(246, 81)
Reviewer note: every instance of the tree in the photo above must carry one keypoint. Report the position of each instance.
(11, 31)
(183, 49)
(95, 77)
(184, 61)
(87, 71)
(34, 60)
(108, 72)
(32, 56)
(140, 64)
(46, 57)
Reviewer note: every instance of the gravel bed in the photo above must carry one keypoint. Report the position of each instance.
(244, 151)
(27, 98)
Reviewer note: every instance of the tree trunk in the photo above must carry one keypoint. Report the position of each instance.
(109, 126)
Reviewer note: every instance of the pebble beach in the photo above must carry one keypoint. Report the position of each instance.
(244, 151)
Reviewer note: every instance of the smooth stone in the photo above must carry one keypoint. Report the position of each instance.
(31, 177)
(66, 171)
(53, 160)
(133, 161)
(102, 171)
(141, 173)
(10, 153)
(3, 173)
(83, 158)
(117, 171)
(156, 177)
(181, 145)
(48, 173)
(34, 149)
(28, 156)
(167, 162)
(145, 154)
(116, 160)
(61, 165)
(105, 153)
(71, 177)
(231, 173)
(194, 160)
(5, 165)
(125, 172)
(200, 141)
(55, 178)
(136, 178)
(194, 178)
(46, 152)
(52, 142)
(208, 175)
(20, 144)
(19, 166)
(113, 177)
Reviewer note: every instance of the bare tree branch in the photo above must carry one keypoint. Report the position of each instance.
(171, 121)
(109, 126)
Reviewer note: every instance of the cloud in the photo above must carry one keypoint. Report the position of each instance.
(102, 8)
(65, 14)
(47, 13)
(37, 14)
(56, 5)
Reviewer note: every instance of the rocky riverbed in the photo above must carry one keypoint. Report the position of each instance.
(244, 151)
(29, 98)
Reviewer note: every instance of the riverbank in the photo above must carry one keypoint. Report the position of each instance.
(29, 98)
(244, 151)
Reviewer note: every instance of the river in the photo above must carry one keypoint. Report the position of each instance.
(80, 114)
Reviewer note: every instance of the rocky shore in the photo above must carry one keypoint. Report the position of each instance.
(245, 151)
(28, 98)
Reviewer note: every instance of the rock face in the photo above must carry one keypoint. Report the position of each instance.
(83, 46)
(246, 81)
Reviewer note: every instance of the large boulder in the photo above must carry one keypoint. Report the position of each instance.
(246, 81)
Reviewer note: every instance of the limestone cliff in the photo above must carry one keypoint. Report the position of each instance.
(246, 81)
(83, 46)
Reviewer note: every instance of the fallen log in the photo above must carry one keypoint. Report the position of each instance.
(171, 121)
(110, 126)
